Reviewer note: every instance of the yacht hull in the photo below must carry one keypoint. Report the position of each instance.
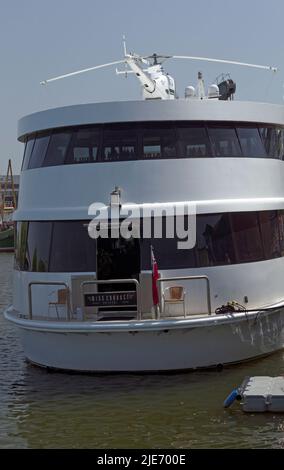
(151, 346)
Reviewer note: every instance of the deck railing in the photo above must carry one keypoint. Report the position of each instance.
(189, 278)
(48, 283)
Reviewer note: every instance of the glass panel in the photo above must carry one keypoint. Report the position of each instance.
(23, 161)
(37, 252)
(28, 153)
(214, 243)
(272, 140)
(281, 230)
(251, 143)
(279, 151)
(84, 147)
(120, 144)
(39, 151)
(270, 233)
(72, 249)
(194, 142)
(166, 250)
(224, 141)
(57, 149)
(159, 143)
(247, 239)
(20, 246)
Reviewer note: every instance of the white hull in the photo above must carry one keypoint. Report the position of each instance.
(150, 346)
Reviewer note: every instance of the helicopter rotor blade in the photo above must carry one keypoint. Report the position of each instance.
(222, 61)
(45, 82)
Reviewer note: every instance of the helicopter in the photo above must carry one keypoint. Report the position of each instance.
(158, 84)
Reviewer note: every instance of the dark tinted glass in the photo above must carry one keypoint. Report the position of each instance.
(38, 243)
(57, 149)
(20, 246)
(221, 239)
(273, 139)
(224, 141)
(84, 147)
(194, 142)
(214, 243)
(281, 231)
(120, 144)
(166, 250)
(247, 237)
(251, 143)
(28, 153)
(72, 249)
(269, 226)
(155, 140)
(159, 142)
(39, 151)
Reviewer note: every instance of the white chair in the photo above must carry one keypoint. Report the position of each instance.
(174, 295)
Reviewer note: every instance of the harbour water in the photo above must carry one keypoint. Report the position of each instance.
(39, 409)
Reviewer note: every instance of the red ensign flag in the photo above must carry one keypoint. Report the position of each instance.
(155, 277)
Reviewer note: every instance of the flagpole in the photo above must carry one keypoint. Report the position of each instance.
(156, 305)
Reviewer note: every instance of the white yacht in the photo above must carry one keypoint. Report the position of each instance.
(86, 303)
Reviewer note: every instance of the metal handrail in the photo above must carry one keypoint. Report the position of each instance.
(191, 278)
(116, 281)
(45, 283)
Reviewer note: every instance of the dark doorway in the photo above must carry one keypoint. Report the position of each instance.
(118, 258)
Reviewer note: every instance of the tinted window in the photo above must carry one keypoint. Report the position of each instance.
(247, 237)
(221, 239)
(28, 153)
(72, 248)
(57, 149)
(166, 251)
(157, 143)
(20, 246)
(84, 147)
(224, 141)
(281, 231)
(155, 140)
(120, 144)
(251, 143)
(38, 243)
(194, 142)
(269, 226)
(39, 151)
(214, 243)
(273, 140)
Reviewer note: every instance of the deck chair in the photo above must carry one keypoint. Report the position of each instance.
(174, 295)
(62, 300)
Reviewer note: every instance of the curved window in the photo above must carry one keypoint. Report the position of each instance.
(250, 141)
(57, 148)
(221, 239)
(224, 141)
(84, 146)
(39, 151)
(28, 153)
(72, 249)
(153, 140)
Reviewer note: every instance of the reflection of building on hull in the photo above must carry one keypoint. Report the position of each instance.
(205, 152)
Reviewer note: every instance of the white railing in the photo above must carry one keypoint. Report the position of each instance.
(190, 278)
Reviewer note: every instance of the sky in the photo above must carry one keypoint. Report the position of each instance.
(45, 38)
